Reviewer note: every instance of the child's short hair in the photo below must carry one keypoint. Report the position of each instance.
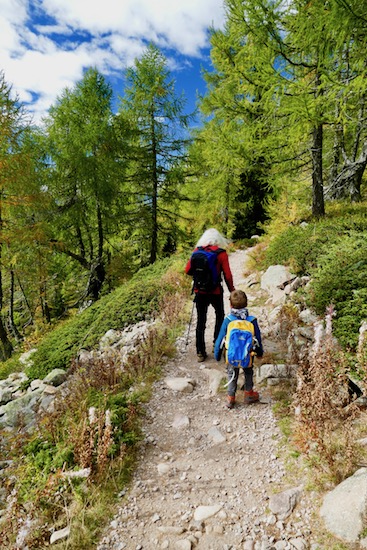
(238, 299)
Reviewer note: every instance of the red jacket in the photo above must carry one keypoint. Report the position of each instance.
(223, 267)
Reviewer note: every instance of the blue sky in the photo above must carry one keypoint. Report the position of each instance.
(45, 45)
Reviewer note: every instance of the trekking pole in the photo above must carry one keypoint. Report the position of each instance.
(188, 330)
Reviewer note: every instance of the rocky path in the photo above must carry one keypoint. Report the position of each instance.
(207, 475)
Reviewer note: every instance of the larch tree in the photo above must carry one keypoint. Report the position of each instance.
(236, 141)
(85, 176)
(346, 129)
(18, 195)
(289, 82)
(157, 152)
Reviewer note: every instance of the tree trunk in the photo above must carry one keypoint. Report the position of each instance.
(97, 276)
(30, 322)
(44, 305)
(355, 184)
(318, 205)
(154, 236)
(97, 272)
(348, 181)
(6, 345)
(11, 324)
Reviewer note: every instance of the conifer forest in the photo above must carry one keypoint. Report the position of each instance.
(93, 194)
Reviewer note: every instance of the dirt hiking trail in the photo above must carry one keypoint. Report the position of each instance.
(205, 473)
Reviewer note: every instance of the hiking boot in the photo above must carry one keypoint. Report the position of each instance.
(230, 401)
(202, 357)
(251, 396)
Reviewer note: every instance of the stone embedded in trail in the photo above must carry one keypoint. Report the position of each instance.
(180, 421)
(163, 468)
(183, 544)
(215, 435)
(184, 385)
(283, 504)
(215, 378)
(298, 544)
(204, 512)
(170, 530)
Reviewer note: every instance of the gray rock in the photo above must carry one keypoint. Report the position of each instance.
(77, 474)
(110, 338)
(184, 385)
(59, 535)
(163, 468)
(36, 384)
(298, 544)
(25, 358)
(283, 504)
(263, 372)
(215, 378)
(308, 317)
(216, 436)
(204, 512)
(5, 396)
(343, 509)
(21, 410)
(170, 530)
(56, 377)
(183, 544)
(275, 277)
(180, 421)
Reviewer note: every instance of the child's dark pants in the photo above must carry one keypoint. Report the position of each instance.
(233, 374)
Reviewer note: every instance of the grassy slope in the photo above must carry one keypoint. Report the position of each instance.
(69, 438)
(333, 251)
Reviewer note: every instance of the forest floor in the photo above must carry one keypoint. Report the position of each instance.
(205, 474)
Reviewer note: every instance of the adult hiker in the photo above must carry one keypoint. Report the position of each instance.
(206, 265)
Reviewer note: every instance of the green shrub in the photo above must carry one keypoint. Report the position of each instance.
(340, 280)
(297, 247)
(300, 247)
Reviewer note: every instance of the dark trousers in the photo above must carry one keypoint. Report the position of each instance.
(203, 301)
(233, 374)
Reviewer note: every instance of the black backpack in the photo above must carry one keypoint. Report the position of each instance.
(204, 269)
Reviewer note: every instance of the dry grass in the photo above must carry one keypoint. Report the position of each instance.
(323, 429)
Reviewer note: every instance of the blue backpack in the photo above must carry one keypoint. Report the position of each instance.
(239, 342)
(204, 269)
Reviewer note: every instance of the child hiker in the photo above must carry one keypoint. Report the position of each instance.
(241, 337)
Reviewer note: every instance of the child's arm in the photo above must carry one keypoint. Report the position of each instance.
(219, 343)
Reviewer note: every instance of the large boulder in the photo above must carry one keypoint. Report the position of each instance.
(344, 508)
(275, 280)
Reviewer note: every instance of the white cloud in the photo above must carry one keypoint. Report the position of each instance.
(41, 52)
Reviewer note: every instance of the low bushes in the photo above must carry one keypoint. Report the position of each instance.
(334, 252)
